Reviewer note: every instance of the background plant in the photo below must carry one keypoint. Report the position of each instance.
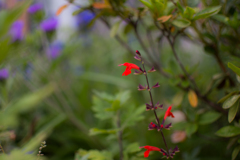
(189, 42)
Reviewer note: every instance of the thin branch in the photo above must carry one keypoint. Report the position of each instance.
(154, 110)
(180, 63)
(120, 139)
(2, 148)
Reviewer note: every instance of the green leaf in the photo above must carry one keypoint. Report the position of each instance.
(30, 100)
(234, 68)
(230, 101)
(114, 29)
(18, 154)
(232, 112)
(123, 96)
(221, 18)
(228, 131)
(146, 3)
(181, 9)
(188, 13)
(77, 12)
(191, 128)
(93, 155)
(209, 117)
(181, 22)
(99, 107)
(207, 12)
(227, 96)
(96, 131)
(235, 152)
(133, 147)
(132, 115)
(115, 106)
(105, 96)
(5, 46)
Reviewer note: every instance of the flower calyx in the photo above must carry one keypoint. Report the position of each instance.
(141, 88)
(156, 85)
(166, 126)
(153, 126)
(137, 58)
(151, 70)
(138, 72)
(150, 106)
(173, 151)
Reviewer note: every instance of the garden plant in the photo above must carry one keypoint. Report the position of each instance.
(64, 93)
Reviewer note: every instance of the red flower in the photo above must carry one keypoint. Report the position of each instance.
(129, 67)
(168, 113)
(149, 149)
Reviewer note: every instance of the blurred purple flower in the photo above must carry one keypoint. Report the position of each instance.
(35, 7)
(54, 50)
(49, 24)
(16, 30)
(84, 17)
(4, 73)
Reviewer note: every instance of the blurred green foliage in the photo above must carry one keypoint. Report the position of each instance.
(80, 104)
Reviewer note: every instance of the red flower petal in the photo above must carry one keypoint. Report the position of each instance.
(129, 67)
(146, 153)
(168, 113)
(126, 72)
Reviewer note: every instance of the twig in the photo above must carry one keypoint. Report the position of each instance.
(2, 148)
(120, 132)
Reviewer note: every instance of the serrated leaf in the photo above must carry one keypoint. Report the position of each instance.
(114, 29)
(228, 131)
(230, 101)
(133, 115)
(234, 68)
(209, 117)
(115, 106)
(105, 96)
(192, 98)
(133, 147)
(227, 96)
(235, 152)
(181, 22)
(233, 111)
(191, 128)
(207, 12)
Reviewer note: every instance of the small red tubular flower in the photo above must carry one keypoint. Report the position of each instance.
(168, 113)
(149, 149)
(129, 67)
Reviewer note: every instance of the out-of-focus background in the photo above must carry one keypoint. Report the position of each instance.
(61, 86)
